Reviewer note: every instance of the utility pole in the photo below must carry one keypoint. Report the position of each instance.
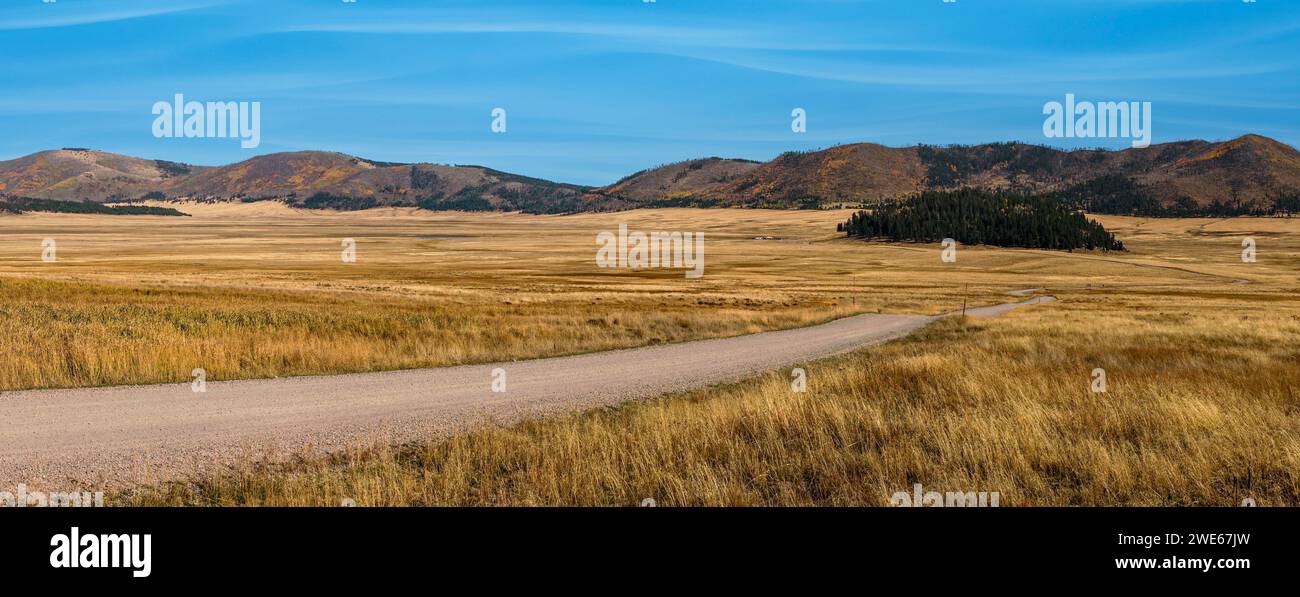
(963, 300)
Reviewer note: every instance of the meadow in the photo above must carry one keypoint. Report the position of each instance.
(1199, 349)
(261, 290)
(1198, 411)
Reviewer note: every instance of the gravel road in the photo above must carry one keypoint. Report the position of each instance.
(117, 436)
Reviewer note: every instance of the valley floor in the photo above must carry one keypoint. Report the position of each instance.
(260, 290)
(1199, 350)
(1199, 410)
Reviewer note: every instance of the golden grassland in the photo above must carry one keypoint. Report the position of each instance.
(260, 290)
(998, 405)
(1200, 352)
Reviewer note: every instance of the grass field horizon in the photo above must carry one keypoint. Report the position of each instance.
(1199, 348)
(259, 290)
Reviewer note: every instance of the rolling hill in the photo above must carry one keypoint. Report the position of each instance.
(306, 178)
(668, 184)
(1249, 174)
(75, 174)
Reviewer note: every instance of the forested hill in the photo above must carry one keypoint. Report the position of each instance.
(977, 217)
(17, 205)
(1247, 175)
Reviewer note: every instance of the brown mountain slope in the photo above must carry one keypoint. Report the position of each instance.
(1250, 172)
(274, 175)
(844, 174)
(678, 180)
(327, 179)
(307, 178)
(81, 174)
(1245, 169)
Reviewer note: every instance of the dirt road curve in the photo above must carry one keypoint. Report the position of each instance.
(114, 436)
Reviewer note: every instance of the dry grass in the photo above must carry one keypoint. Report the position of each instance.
(56, 334)
(1200, 410)
(259, 290)
(1201, 407)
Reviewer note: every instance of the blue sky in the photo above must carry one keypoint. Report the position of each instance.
(595, 90)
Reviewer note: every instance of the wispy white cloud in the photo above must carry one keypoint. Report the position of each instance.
(973, 77)
(44, 16)
(733, 37)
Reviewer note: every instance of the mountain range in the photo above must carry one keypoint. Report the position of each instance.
(1251, 173)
